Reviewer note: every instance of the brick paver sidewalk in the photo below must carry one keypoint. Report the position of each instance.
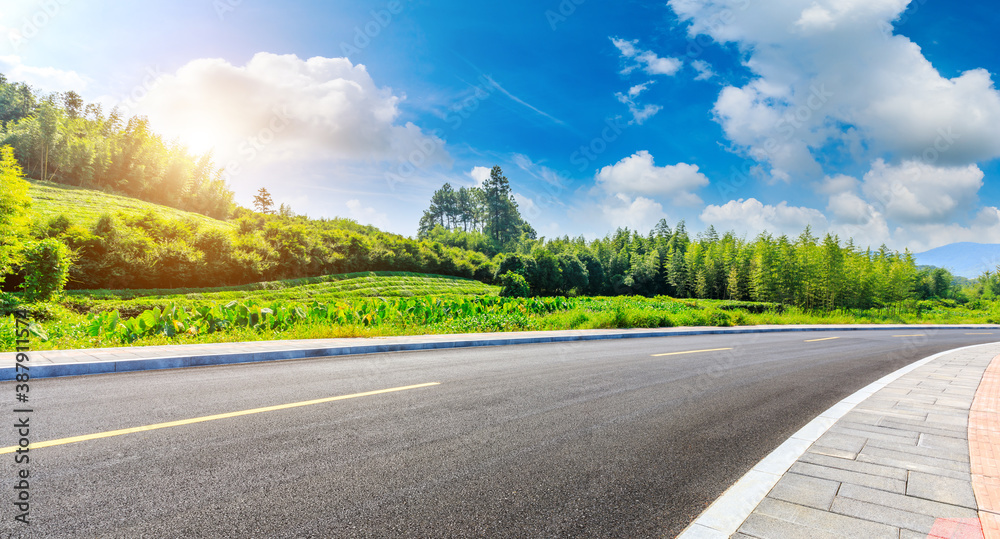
(898, 465)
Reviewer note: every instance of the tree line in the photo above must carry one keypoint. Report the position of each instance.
(807, 271)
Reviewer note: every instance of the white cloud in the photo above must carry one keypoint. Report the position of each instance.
(753, 216)
(287, 108)
(917, 193)
(853, 218)
(648, 61)
(48, 79)
(704, 70)
(527, 207)
(832, 185)
(638, 175)
(366, 215)
(850, 209)
(640, 113)
(831, 76)
(639, 213)
(480, 175)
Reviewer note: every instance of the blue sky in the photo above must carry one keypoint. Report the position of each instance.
(874, 119)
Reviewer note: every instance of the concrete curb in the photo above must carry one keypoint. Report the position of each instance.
(7, 373)
(723, 518)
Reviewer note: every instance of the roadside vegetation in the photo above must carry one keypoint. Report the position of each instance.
(110, 236)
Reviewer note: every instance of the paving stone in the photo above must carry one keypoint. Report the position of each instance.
(843, 442)
(955, 445)
(805, 490)
(841, 430)
(766, 527)
(956, 454)
(941, 489)
(833, 452)
(852, 465)
(926, 428)
(884, 515)
(844, 476)
(903, 503)
(910, 461)
(826, 521)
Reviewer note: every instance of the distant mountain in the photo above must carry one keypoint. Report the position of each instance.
(963, 259)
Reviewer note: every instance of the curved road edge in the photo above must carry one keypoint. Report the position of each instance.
(729, 512)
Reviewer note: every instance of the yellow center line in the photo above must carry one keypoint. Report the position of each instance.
(826, 339)
(692, 352)
(909, 336)
(75, 439)
(979, 334)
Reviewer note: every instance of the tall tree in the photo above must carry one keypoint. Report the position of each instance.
(502, 220)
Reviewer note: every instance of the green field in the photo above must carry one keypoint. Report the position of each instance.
(85, 206)
(321, 289)
(388, 304)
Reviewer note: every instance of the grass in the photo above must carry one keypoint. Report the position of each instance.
(85, 206)
(65, 320)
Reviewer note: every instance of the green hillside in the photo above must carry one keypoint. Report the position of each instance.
(322, 289)
(85, 206)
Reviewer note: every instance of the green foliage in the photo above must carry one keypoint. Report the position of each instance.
(14, 204)
(262, 201)
(178, 320)
(514, 285)
(62, 140)
(485, 219)
(46, 269)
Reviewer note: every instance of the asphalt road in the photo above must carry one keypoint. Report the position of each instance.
(592, 439)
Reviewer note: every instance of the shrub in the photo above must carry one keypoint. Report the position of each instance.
(46, 269)
(514, 285)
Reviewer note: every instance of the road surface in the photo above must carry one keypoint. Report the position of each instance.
(625, 438)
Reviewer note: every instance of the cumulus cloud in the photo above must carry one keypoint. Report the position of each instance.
(48, 79)
(917, 193)
(830, 74)
(288, 108)
(646, 60)
(852, 218)
(636, 213)
(754, 216)
(639, 175)
(480, 175)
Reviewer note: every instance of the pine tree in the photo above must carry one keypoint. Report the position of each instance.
(262, 202)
